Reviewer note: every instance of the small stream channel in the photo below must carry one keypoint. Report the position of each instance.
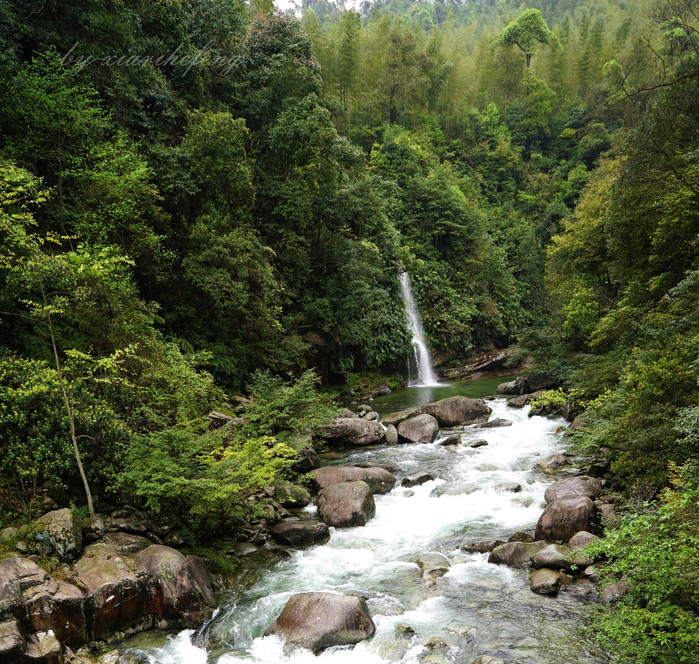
(476, 608)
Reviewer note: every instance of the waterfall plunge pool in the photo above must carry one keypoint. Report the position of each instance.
(476, 608)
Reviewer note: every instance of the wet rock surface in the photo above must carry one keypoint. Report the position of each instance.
(318, 620)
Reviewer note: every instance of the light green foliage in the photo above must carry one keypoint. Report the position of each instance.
(289, 411)
(655, 551)
(205, 478)
(35, 449)
(526, 32)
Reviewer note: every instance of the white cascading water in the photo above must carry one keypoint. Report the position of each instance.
(423, 361)
(476, 608)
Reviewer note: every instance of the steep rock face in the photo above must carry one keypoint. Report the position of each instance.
(378, 479)
(320, 620)
(181, 592)
(114, 589)
(418, 429)
(566, 516)
(346, 504)
(353, 431)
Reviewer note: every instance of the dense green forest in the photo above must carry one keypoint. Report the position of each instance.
(201, 198)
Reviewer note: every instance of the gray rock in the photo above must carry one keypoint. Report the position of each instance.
(416, 479)
(521, 536)
(515, 554)
(44, 648)
(295, 532)
(524, 400)
(582, 539)
(317, 621)
(449, 412)
(497, 423)
(453, 439)
(550, 465)
(574, 486)
(559, 557)
(566, 516)
(481, 546)
(308, 460)
(477, 443)
(512, 487)
(348, 413)
(545, 582)
(391, 435)
(12, 642)
(487, 659)
(353, 431)
(346, 504)
(527, 384)
(61, 531)
(291, 495)
(613, 591)
(378, 479)
(418, 429)
(8, 535)
(432, 566)
(458, 411)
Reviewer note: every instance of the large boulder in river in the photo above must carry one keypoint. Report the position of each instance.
(515, 554)
(346, 504)
(566, 516)
(559, 557)
(61, 531)
(415, 479)
(320, 620)
(458, 411)
(297, 532)
(353, 431)
(181, 591)
(574, 486)
(378, 479)
(418, 429)
(582, 539)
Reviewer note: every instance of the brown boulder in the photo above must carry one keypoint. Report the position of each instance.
(353, 431)
(320, 620)
(574, 486)
(120, 597)
(458, 411)
(346, 504)
(418, 429)
(378, 479)
(566, 516)
(182, 593)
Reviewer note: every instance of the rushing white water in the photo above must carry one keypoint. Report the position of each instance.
(424, 374)
(476, 608)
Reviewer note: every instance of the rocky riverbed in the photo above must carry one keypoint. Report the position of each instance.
(432, 517)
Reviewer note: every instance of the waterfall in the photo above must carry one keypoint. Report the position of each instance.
(423, 373)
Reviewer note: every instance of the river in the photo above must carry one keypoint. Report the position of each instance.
(476, 608)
